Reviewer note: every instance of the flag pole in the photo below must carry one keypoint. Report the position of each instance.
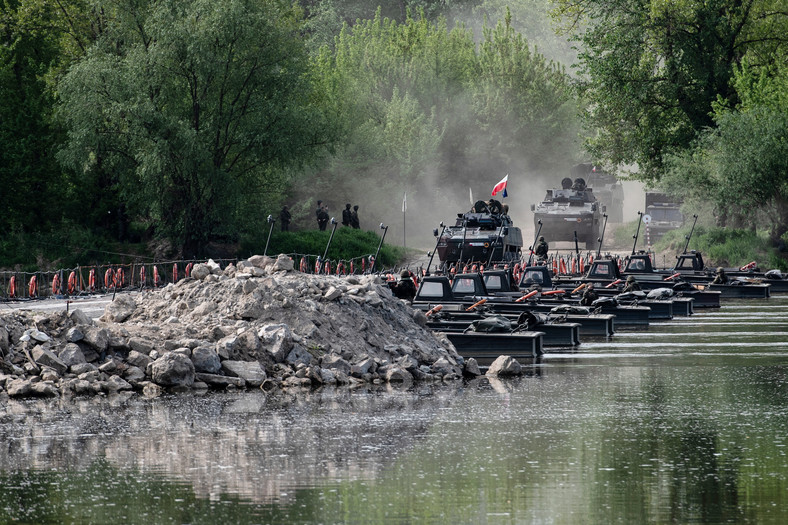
(404, 210)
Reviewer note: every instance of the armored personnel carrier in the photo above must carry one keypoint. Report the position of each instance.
(607, 189)
(571, 209)
(480, 237)
(664, 214)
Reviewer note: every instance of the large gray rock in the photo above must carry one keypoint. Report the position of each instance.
(247, 346)
(172, 369)
(82, 368)
(260, 261)
(505, 365)
(119, 309)
(277, 340)
(396, 374)
(283, 263)
(200, 271)
(79, 317)
(45, 357)
(138, 359)
(217, 381)
(299, 354)
(74, 335)
(472, 368)
(206, 360)
(140, 345)
(72, 355)
(117, 384)
(335, 362)
(250, 371)
(97, 338)
(19, 387)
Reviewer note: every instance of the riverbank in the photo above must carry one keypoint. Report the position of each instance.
(257, 324)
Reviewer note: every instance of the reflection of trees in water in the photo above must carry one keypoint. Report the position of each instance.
(254, 444)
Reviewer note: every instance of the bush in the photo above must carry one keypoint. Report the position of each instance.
(726, 247)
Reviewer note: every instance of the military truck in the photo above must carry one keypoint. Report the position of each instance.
(569, 210)
(663, 214)
(607, 189)
(480, 237)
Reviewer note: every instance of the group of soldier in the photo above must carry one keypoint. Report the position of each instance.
(492, 206)
(349, 217)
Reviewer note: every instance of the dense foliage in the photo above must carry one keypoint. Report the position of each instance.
(187, 122)
(181, 125)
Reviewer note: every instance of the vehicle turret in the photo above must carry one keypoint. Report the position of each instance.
(565, 212)
(482, 237)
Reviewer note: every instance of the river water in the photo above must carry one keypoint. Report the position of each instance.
(685, 421)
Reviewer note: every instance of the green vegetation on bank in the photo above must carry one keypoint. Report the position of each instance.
(41, 251)
(180, 126)
(727, 247)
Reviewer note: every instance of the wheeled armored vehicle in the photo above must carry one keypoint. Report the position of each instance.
(570, 212)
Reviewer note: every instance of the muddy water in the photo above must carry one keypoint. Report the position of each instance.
(686, 421)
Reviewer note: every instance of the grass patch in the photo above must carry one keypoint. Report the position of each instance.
(726, 247)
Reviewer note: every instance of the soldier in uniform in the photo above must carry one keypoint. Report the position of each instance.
(480, 207)
(354, 218)
(589, 295)
(579, 185)
(284, 218)
(631, 285)
(494, 206)
(347, 216)
(720, 278)
(566, 183)
(405, 289)
(541, 249)
(322, 216)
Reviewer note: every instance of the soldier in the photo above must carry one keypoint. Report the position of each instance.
(284, 218)
(354, 218)
(720, 278)
(322, 216)
(631, 285)
(405, 289)
(480, 207)
(494, 206)
(579, 185)
(589, 295)
(566, 183)
(541, 249)
(347, 216)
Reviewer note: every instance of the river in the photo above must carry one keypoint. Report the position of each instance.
(685, 421)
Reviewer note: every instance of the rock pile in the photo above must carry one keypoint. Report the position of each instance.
(257, 324)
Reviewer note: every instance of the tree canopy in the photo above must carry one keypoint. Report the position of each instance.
(191, 110)
(651, 71)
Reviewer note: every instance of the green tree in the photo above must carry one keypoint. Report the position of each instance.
(652, 70)
(741, 165)
(524, 104)
(426, 110)
(194, 110)
(31, 180)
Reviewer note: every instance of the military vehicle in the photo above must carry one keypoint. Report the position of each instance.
(607, 189)
(570, 212)
(480, 237)
(663, 214)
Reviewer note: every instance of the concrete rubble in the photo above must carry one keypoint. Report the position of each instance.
(257, 324)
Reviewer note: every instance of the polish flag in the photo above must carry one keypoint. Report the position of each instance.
(501, 187)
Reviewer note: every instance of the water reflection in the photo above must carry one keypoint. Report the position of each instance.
(665, 425)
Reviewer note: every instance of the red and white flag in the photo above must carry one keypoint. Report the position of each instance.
(501, 187)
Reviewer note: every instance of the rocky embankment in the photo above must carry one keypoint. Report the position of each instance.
(255, 325)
